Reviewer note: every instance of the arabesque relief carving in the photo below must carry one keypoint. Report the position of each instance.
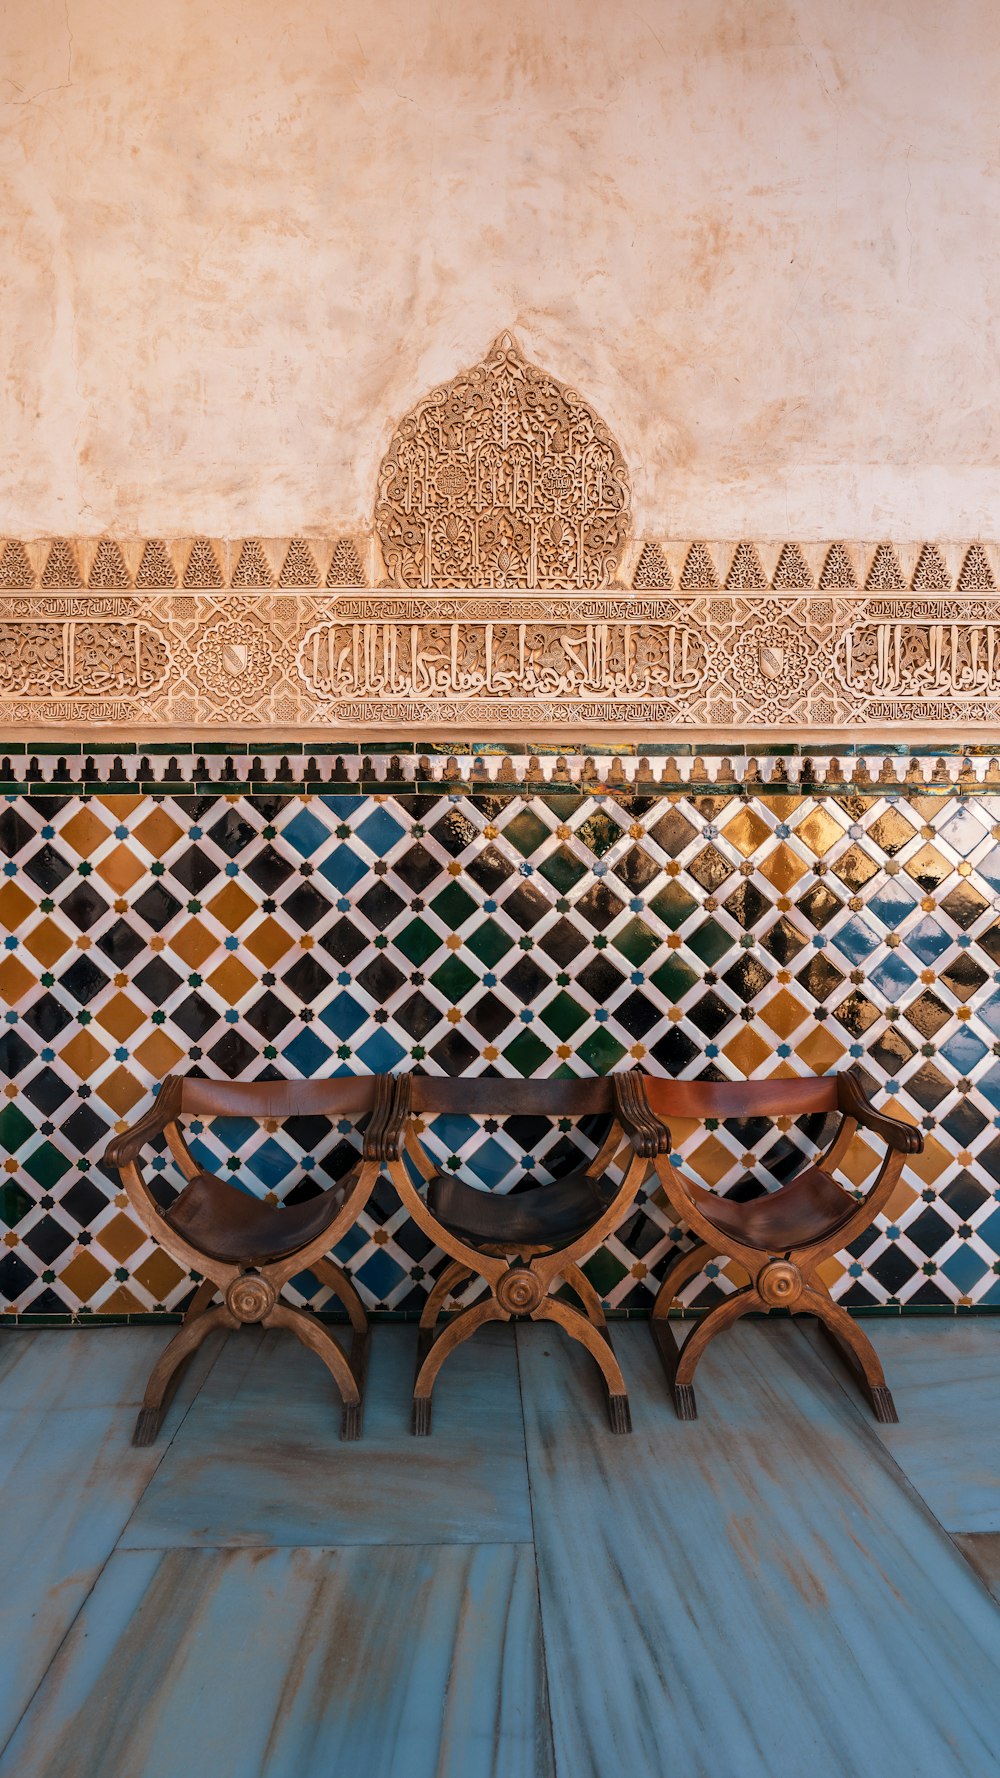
(249, 660)
(503, 477)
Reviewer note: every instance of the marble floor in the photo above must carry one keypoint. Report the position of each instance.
(780, 1586)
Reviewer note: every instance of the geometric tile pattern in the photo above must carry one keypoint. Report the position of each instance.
(705, 932)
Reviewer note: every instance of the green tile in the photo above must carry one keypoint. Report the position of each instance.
(563, 869)
(526, 832)
(711, 942)
(453, 906)
(47, 1165)
(636, 942)
(526, 1054)
(417, 941)
(601, 1051)
(674, 978)
(15, 1128)
(563, 1016)
(673, 905)
(14, 1205)
(454, 979)
(489, 942)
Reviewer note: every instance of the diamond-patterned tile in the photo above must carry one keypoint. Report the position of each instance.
(522, 934)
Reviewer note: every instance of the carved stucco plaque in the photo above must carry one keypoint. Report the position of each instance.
(502, 478)
(498, 589)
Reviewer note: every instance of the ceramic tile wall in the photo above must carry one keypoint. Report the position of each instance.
(601, 920)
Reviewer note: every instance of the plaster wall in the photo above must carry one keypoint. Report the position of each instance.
(241, 241)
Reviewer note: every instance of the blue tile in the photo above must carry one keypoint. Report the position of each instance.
(964, 1267)
(343, 868)
(306, 1053)
(344, 1015)
(379, 831)
(306, 833)
(891, 904)
(380, 1052)
(758, 1573)
(270, 1163)
(856, 940)
(261, 1461)
(892, 977)
(989, 1011)
(963, 1050)
(299, 1663)
(927, 940)
(963, 831)
(989, 867)
(989, 1085)
(490, 1162)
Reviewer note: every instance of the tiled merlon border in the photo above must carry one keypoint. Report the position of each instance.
(642, 769)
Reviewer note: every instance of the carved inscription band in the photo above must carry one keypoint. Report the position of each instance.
(237, 660)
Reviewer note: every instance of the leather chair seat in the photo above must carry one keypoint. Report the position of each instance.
(543, 1216)
(807, 1208)
(229, 1225)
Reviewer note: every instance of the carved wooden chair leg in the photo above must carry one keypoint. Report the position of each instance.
(169, 1368)
(580, 1284)
(464, 1324)
(681, 1377)
(684, 1268)
(320, 1340)
(597, 1341)
(445, 1286)
(337, 1280)
(329, 1273)
(854, 1348)
(201, 1300)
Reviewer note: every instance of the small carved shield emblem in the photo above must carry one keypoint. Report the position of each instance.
(771, 659)
(235, 656)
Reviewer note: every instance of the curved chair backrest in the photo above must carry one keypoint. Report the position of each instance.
(275, 1098)
(741, 1098)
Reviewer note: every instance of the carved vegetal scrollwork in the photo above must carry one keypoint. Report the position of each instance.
(502, 478)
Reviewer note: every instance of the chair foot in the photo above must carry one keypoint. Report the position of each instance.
(883, 1406)
(353, 1415)
(682, 1394)
(619, 1413)
(685, 1405)
(857, 1354)
(147, 1426)
(433, 1347)
(170, 1367)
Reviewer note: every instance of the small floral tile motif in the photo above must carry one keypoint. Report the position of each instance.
(712, 930)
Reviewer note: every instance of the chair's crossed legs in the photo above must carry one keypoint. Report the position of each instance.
(787, 1281)
(251, 1298)
(590, 1328)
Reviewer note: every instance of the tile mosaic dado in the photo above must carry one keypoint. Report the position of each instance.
(550, 920)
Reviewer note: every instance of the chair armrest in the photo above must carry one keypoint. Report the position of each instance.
(646, 1132)
(124, 1150)
(385, 1135)
(855, 1103)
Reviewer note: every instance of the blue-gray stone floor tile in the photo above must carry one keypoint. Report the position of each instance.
(778, 1585)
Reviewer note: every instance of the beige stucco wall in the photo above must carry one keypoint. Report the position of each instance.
(239, 240)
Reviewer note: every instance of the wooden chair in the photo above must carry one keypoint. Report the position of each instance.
(246, 1249)
(521, 1244)
(781, 1238)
